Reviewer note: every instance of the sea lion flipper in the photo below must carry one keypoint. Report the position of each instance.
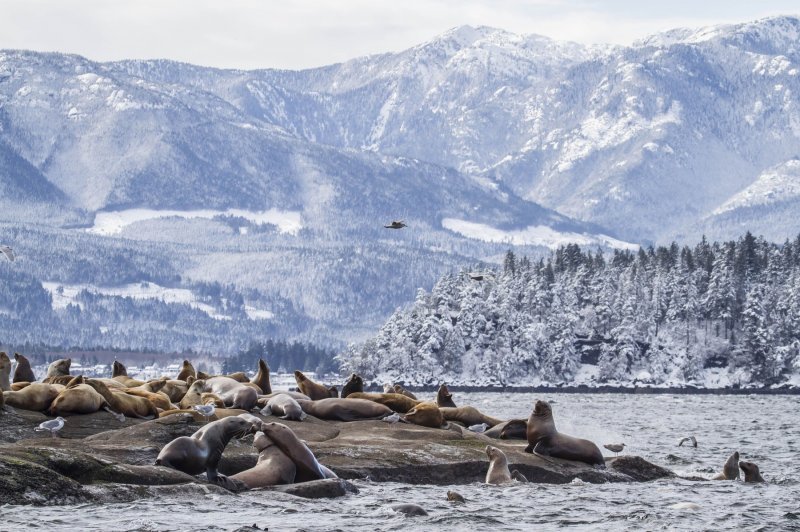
(529, 448)
(519, 477)
(266, 411)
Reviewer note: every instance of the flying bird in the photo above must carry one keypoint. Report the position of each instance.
(615, 448)
(52, 425)
(396, 224)
(688, 438)
(205, 410)
(8, 252)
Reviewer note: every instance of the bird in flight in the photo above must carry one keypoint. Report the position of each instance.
(8, 252)
(690, 439)
(396, 224)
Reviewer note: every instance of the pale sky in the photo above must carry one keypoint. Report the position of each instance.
(297, 34)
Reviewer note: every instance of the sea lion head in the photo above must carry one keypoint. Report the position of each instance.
(5, 362)
(299, 376)
(238, 427)
(515, 427)
(261, 441)
(118, 369)
(542, 409)
(59, 367)
(751, 472)
(426, 414)
(494, 452)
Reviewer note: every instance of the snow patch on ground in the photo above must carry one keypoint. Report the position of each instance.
(535, 235)
(66, 294)
(113, 222)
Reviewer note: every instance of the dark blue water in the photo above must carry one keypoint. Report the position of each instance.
(764, 429)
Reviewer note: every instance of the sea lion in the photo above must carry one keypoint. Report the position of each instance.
(77, 398)
(23, 371)
(59, 367)
(312, 389)
(283, 405)
(402, 391)
(308, 468)
(454, 496)
(118, 369)
(112, 385)
(193, 395)
(202, 375)
(273, 466)
(410, 509)
(545, 440)
(425, 414)
(444, 398)
(335, 409)
(751, 472)
(174, 389)
(333, 391)
(468, 415)
(63, 380)
(123, 403)
(297, 396)
(17, 386)
(186, 371)
(37, 396)
(159, 399)
(514, 429)
(128, 381)
(354, 384)
(5, 372)
(730, 471)
(262, 378)
(498, 472)
(395, 401)
(219, 413)
(234, 394)
(239, 376)
(202, 450)
(207, 398)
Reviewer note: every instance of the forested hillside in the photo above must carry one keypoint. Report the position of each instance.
(714, 314)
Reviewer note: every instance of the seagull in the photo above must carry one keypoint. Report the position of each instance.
(53, 425)
(615, 448)
(8, 252)
(479, 428)
(688, 438)
(396, 224)
(205, 410)
(393, 418)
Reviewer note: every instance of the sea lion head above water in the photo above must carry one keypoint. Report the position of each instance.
(751, 472)
(498, 472)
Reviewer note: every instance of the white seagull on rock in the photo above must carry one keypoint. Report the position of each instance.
(53, 425)
(205, 410)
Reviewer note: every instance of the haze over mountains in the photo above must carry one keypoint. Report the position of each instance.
(276, 183)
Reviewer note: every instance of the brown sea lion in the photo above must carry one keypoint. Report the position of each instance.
(112, 384)
(5, 372)
(193, 395)
(59, 367)
(77, 399)
(219, 413)
(186, 371)
(202, 375)
(273, 466)
(514, 429)
(426, 414)
(262, 378)
(234, 394)
(469, 416)
(307, 466)
(211, 399)
(312, 389)
(751, 472)
(23, 371)
(545, 440)
(239, 376)
(285, 406)
(354, 384)
(202, 451)
(63, 380)
(159, 399)
(402, 391)
(336, 409)
(37, 396)
(118, 369)
(123, 403)
(128, 381)
(333, 391)
(498, 472)
(730, 471)
(444, 398)
(174, 389)
(395, 401)
(17, 386)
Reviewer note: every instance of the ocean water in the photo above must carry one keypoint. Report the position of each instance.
(764, 429)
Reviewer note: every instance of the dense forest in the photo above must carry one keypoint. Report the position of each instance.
(282, 357)
(713, 314)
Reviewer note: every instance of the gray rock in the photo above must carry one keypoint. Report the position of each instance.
(327, 488)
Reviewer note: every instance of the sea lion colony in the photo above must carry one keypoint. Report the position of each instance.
(282, 457)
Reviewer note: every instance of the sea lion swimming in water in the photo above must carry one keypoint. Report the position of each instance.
(312, 389)
(730, 471)
(545, 440)
(444, 397)
(751, 472)
(498, 472)
(23, 371)
(201, 452)
(273, 466)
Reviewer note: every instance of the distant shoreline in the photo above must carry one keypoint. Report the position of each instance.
(638, 390)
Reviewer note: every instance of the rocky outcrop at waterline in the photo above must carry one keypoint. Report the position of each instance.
(98, 459)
